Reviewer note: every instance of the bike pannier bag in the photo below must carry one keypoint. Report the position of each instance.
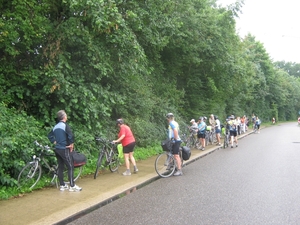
(79, 159)
(166, 145)
(186, 153)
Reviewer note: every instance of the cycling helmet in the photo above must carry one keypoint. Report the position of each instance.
(216, 117)
(170, 115)
(200, 118)
(205, 118)
(120, 121)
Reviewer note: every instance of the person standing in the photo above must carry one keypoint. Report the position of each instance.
(127, 139)
(173, 134)
(212, 122)
(61, 135)
(218, 130)
(201, 132)
(193, 128)
(233, 131)
(257, 124)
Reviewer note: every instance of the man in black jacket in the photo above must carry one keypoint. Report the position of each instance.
(63, 138)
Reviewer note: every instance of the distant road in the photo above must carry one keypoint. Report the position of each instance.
(255, 183)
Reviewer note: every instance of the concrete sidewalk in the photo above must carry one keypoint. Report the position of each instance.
(51, 206)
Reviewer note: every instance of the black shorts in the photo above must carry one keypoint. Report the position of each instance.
(233, 133)
(128, 148)
(175, 147)
(201, 135)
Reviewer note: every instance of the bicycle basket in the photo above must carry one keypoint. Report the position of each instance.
(167, 145)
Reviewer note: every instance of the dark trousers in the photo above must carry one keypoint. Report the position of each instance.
(64, 159)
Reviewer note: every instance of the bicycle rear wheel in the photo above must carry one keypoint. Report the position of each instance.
(114, 162)
(30, 175)
(98, 165)
(165, 165)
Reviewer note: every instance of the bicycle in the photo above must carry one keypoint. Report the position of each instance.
(166, 164)
(31, 173)
(191, 141)
(109, 154)
(226, 138)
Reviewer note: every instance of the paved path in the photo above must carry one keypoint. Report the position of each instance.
(256, 183)
(50, 206)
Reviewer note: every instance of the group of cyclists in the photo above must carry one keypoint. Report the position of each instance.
(234, 126)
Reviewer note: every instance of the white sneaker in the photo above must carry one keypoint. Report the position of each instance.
(75, 188)
(65, 187)
(126, 173)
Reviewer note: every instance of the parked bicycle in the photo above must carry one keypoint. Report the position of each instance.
(210, 136)
(32, 171)
(108, 156)
(165, 163)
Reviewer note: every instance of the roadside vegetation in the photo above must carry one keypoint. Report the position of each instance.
(102, 60)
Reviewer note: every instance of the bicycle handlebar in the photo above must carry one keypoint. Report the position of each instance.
(46, 147)
(103, 141)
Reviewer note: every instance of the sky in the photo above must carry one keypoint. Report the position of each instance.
(274, 23)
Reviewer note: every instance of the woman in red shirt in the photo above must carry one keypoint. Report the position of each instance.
(128, 142)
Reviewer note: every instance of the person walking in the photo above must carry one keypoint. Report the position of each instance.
(201, 132)
(173, 134)
(127, 139)
(218, 130)
(63, 139)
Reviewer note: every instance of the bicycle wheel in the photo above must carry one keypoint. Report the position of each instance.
(98, 165)
(165, 165)
(189, 142)
(114, 162)
(30, 175)
(77, 172)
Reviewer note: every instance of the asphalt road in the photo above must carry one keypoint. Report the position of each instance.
(255, 183)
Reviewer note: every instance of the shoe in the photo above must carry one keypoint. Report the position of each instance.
(126, 173)
(178, 173)
(136, 170)
(236, 146)
(231, 146)
(64, 187)
(75, 188)
(203, 149)
(219, 144)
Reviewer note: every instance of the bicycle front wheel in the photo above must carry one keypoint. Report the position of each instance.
(114, 162)
(98, 165)
(165, 165)
(30, 175)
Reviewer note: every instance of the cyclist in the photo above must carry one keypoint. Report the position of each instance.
(257, 124)
(299, 120)
(233, 131)
(193, 128)
(173, 133)
(128, 142)
(61, 135)
(273, 120)
(212, 122)
(201, 132)
(218, 130)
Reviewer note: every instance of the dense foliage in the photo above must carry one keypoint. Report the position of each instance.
(104, 59)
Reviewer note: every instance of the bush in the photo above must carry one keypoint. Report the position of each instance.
(17, 134)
